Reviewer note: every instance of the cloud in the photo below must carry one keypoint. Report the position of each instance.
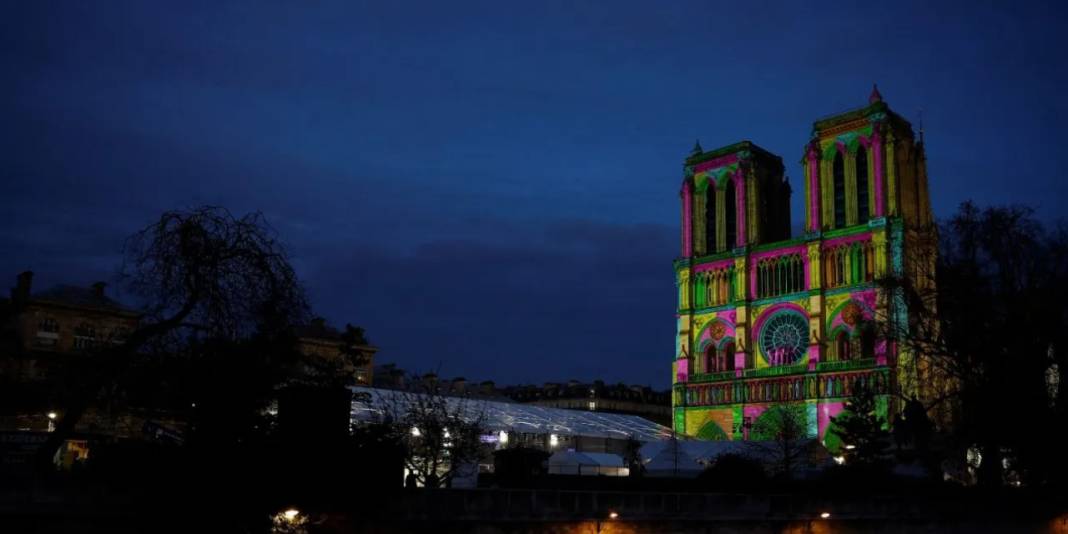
(571, 299)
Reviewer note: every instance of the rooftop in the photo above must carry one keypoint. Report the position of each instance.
(81, 297)
(741, 146)
(525, 418)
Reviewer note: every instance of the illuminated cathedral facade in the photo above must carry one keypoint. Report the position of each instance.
(764, 318)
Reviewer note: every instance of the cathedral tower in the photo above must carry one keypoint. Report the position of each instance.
(766, 318)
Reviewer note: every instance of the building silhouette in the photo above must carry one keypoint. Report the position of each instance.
(59, 323)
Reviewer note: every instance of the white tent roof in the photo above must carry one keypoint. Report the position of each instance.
(599, 459)
(673, 460)
(527, 418)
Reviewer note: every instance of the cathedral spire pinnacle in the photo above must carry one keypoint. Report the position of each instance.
(696, 148)
(875, 96)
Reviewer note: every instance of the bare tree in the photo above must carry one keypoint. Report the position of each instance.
(441, 434)
(976, 304)
(200, 274)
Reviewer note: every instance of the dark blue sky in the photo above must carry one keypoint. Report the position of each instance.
(489, 187)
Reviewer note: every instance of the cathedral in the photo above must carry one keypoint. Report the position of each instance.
(767, 318)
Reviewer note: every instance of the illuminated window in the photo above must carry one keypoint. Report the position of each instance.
(84, 336)
(47, 332)
(784, 338)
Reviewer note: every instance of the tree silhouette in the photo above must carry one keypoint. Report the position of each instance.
(201, 274)
(861, 429)
(986, 295)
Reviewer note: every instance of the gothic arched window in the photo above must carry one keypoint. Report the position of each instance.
(710, 359)
(784, 338)
(839, 190)
(728, 355)
(710, 219)
(862, 185)
(842, 348)
(867, 341)
(731, 214)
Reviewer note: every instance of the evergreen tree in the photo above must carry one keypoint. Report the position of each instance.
(862, 429)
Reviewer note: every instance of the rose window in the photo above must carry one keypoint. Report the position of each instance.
(784, 338)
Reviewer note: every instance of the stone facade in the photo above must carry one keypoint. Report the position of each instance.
(60, 323)
(764, 318)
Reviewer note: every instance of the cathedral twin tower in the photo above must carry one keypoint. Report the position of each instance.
(768, 319)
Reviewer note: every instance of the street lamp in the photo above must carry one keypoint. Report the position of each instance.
(825, 515)
(612, 515)
(291, 514)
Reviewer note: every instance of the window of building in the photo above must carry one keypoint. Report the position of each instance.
(730, 211)
(780, 275)
(84, 336)
(47, 332)
(862, 185)
(842, 348)
(710, 219)
(839, 190)
(728, 356)
(784, 338)
(119, 334)
(710, 359)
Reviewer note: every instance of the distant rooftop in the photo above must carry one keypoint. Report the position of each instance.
(82, 297)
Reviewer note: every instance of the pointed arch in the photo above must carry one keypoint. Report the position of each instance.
(730, 210)
(712, 432)
(838, 180)
(710, 218)
(863, 211)
(728, 355)
(842, 347)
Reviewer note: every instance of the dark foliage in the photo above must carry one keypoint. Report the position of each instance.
(519, 466)
(734, 472)
(987, 316)
(208, 280)
(862, 430)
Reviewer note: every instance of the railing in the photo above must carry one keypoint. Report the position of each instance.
(790, 388)
(712, 377)
(846, 365)
(778, 370)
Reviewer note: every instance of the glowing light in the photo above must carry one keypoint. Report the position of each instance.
(415, 432)
(825, 515)
(850, 447)
(554, 440)
(503, 437)
(291, 514)
(52, 415)
(447, 436)
(613, 515)
(839, 460)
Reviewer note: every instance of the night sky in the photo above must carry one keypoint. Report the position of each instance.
(490, 189)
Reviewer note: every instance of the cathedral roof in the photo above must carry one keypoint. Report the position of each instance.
(741, 146)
